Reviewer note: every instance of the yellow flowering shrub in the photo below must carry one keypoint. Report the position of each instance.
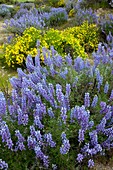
(21, 46)
(78, 41)
(87, 34)
(64, 43)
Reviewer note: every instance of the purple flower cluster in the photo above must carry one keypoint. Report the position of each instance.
(2, 105)
(25, 18)
(85, 15)
(3, 165)
(43, 104)
(64, 149)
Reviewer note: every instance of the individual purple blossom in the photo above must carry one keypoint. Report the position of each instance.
(49, 140)
(59, 94)
(91, 124)
(68, 89)
(68, 60)
(106, 88)
(64, 149)
(4, 132)
(87, 100)
(93, 137)
(3, 165)
(64, 73)
(83, 117)
(111, 95)
(101, 125)
(81, 135)
(64, 114)
(32, 131)
(90, 163)
(40, 154)
(80, 157)
(57, 60)
(50, 112)
(98, 148)
(10, 143)
(31, 142)
(19, 144)
(79, 64)
(103, 106)
(2, 105)
(38, 123)
(94, 102)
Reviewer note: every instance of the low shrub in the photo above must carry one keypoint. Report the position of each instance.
(88, 35)
(35, 18)
(17, 50)
(76, 41)
(106, 24)
(57, 16)
(63, 44)
(59, 115)
(82, 15)
(6, 11)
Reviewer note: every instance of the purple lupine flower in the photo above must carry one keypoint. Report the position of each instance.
(111, 96)
(79, 64)
(59, 94)
(106, 88)
(38, 136)
(3, 165)
(108, 114)
(98, 148)
(63, 114)
(4, 132)
(68, 89)
(81, 135)
(94, 102)
(83, 117)
(73, 114)
(40, 154)
(50, 113)
(87, 100)
(19, 136)
(2, 105)
(90, 163)
(49, 140)
(25, 119)
(91, 124)
(68, 60)
(10, 143)
(64, 73)
(31, 142)
(64, 149)
(19, 144)
(93, 137)
(57, 60)
(67, 102)
(38, 123)
(32, 131)
(103, 106)
(101, 125)
(80, 157)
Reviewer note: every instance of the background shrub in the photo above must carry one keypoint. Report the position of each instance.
(35, 18)
(88, 35)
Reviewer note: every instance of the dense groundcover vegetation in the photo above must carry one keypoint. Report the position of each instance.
(59, 113)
